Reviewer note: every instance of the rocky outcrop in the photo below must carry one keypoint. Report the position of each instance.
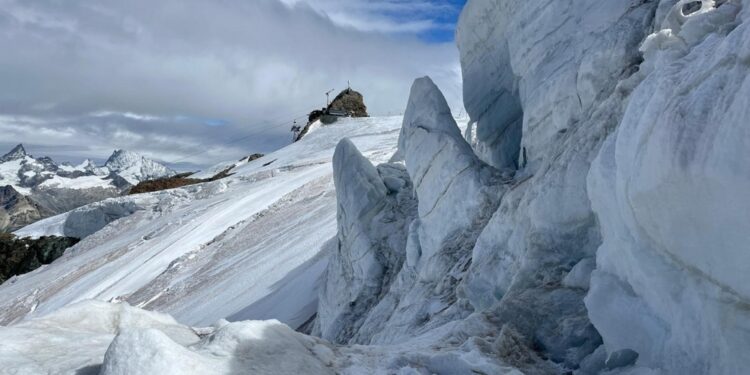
(184, 179)
(349, 102)
(19, 256)
(173, 182)
(17, 210)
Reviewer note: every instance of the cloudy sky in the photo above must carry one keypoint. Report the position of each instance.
(193, 82)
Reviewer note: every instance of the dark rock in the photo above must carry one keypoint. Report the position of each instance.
(183, 179)
(314, 115)
(48, 163)
(252, 157)
(163, 184)
(19, 256)
(17, 210)
(349, 102)
(118, 181)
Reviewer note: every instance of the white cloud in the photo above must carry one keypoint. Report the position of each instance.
(81, 72)
(414, 16)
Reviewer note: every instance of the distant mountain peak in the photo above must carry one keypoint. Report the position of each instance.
(134, 167)
(121, 158)
(16, 153)
(87, 165)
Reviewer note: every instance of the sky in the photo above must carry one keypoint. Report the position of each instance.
(192, 83)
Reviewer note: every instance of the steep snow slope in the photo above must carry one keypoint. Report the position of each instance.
(210, 251)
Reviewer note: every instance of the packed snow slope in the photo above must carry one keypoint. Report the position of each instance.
(247, 246)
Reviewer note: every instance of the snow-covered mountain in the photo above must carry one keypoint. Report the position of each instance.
(594, 218)
(135, 168)
(52, 189)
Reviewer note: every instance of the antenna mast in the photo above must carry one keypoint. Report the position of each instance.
(328, 101)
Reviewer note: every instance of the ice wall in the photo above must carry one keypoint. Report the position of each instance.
(618, 134)
(670, 188)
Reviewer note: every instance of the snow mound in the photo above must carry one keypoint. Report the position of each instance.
(74, 339)
(114, 338)
(258, 347)
(87, 220)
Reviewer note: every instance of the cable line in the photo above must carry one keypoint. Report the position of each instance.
(257, 132)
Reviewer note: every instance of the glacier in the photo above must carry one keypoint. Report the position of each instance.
(591, 216)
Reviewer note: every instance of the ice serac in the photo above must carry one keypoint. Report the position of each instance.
(374, 212)
(404, 244)
(532, 69)
(566, 68)
(670, 188)
(449, 179)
